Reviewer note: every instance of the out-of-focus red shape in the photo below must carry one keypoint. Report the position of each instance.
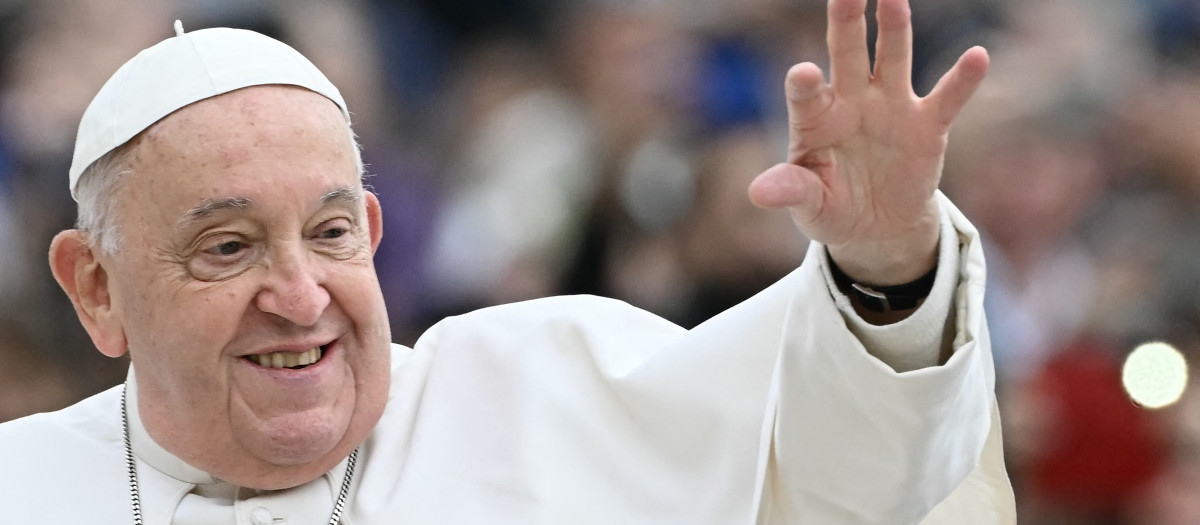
(1100, 449)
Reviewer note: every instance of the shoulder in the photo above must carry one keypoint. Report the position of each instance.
(70, 446)
(612, 333)
(571, 316)
(95, 419)
(578, 312)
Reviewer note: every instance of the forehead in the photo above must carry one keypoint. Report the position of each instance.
(247, 117)
(263, 139)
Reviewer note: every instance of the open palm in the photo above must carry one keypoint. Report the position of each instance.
(866, 153)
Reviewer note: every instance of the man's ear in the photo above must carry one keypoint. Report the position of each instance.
(374, 220)
(85, 280)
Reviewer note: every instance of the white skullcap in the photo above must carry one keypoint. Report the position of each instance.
(181, 70)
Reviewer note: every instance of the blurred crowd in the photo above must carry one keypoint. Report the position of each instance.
(537, 147)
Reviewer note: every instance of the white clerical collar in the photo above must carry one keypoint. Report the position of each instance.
(149, 451)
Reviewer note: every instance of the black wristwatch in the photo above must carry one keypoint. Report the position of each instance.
(884, 299)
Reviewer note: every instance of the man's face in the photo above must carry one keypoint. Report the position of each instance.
(246, 289)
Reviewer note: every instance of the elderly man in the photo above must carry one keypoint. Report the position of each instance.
(225, 243)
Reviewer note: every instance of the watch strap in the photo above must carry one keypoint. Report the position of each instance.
(884, 299)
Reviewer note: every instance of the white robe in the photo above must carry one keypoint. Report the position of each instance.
(575, 410)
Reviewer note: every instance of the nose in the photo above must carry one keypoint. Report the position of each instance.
(293, 288)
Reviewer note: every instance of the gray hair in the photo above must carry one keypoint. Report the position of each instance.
(96, 193)
(98, 185)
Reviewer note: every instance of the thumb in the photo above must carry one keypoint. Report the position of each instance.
(791, 186)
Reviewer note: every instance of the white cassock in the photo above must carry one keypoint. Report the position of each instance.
(576, 410)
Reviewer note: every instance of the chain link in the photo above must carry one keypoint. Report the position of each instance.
(130, 465)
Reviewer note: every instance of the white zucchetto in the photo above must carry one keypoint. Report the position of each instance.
(181, 70)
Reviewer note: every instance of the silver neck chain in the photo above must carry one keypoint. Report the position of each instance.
(136, 498)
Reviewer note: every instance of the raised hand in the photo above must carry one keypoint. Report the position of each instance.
(866, 152)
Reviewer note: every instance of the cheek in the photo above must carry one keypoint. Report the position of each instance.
(355, 287)
(372, 382)
(189, 328)
(359, 296)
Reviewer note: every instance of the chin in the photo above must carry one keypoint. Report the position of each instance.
(304, 440)
(295, 448)
(296, 441)
(289, 457)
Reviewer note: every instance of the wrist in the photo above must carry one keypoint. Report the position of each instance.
(898, 258)
(884, 299)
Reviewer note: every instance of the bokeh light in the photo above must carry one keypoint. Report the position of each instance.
(1155, 375)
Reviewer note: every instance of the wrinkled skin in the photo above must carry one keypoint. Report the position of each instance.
(245, 230)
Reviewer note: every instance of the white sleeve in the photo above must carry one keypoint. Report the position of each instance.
(866, 429)
(916, 341)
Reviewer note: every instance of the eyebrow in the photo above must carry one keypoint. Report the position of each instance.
(206, 210)
(346, 194)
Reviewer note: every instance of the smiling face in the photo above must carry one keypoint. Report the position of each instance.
(246, 290)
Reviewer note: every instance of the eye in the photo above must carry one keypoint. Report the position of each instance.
(222, 256)
(227, 248)
(334, 231)
(336, 238)
(331, 233)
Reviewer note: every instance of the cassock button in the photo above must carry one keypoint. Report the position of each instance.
(261, 516)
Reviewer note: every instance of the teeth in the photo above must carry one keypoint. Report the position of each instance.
(287, 359)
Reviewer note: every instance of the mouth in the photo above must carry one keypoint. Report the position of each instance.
(288, 360)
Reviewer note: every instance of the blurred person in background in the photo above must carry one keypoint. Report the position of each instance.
(1080, 232)
(524, 172)
(632, 66)
(730, 249)
(1155, 213)
(32, 381)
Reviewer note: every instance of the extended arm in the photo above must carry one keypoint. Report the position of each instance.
(860, 440)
